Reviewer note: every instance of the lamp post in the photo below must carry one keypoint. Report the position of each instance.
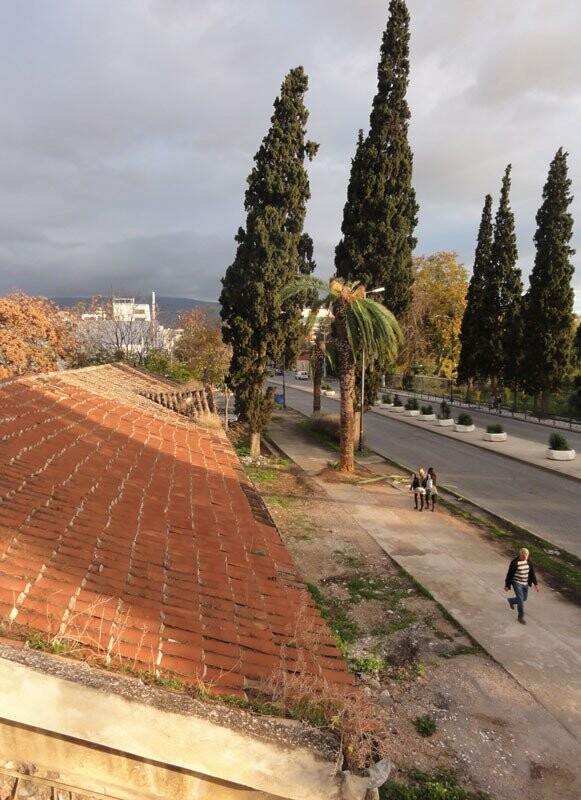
(360, 448)
(283, 383)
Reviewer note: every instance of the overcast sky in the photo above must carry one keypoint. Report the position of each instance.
(128, 127)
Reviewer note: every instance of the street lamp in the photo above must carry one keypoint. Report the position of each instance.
(283, 384)
(370, 291)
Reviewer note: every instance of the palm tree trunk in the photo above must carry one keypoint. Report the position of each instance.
(254, 443)
(346, 364)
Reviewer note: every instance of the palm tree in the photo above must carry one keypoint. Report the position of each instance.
(360, 325)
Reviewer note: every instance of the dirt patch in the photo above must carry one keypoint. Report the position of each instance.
(414, 661)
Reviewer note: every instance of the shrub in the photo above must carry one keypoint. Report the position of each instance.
(496, 427)
(412, 404)
(464, 419)
(427, 410)
(397, 401)
(326, 387)
(444, 410)
(558, 442)
(328, 425)
(425, 725)
(386, 397)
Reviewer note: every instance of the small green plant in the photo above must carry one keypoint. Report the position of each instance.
(558, 442)
(444, 410)
(427, 410)
(496, 427)
(397, 401)
(420, 786)
(367, 663)
(412, 404)
(326, 387)
(425, 725)
(464, 419)
(386, 398)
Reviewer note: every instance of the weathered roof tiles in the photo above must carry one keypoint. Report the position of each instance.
(132, 531)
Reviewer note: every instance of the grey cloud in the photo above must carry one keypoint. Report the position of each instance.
(127, 130)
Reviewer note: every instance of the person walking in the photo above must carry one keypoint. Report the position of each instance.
(431, 488)
(417, 486)
(520, 575)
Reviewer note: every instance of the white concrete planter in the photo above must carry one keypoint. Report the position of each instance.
(386, 405)
(445, 423)
(560, 455)
(411, 412)
(463, 428)
(495, 437)
(328, 392)
(398, 409)
(427, 417)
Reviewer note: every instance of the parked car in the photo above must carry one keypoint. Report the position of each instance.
(278, 371)
(301, 375)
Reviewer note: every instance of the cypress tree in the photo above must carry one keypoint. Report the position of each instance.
(380, 214)
(473, 337)
(502, 287)
(267, 256)
(549, 314)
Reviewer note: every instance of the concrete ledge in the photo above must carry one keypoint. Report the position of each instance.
(152, 725)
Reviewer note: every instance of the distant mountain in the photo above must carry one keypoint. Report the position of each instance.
(168, 307)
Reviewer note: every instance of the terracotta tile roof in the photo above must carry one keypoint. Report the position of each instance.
(134, 531)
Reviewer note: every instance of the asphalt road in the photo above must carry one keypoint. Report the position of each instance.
(544, 503)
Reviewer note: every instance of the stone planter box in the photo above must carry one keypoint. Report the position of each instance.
(445, 423)
(411, 412)
(328, 392)
(495, 437)
(560, 455)
(385, 405)
(398, 409)
(427, 417)
(463, 428)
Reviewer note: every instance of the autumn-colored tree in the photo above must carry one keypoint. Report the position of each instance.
(33, 337)
(431, 326)
(202, 348)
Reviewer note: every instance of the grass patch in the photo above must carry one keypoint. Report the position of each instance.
(463, 650)
(440, 785)
(262, 474)
(367, 588)
(332, 611)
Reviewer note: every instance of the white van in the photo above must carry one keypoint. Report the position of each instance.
(301, 375)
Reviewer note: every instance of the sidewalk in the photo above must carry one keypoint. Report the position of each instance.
(464, 573)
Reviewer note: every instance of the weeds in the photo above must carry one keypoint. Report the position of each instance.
(425, 725)
(442, 784)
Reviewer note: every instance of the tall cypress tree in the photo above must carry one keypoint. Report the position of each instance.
(502, 287)
(549, 313)
(474, 338)
(380, 214)
(267, 256)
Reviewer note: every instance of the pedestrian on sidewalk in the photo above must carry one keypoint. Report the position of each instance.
(431, 488)
(520, 575)
(417, 486)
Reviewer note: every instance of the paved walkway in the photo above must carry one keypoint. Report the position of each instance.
(465, 574)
